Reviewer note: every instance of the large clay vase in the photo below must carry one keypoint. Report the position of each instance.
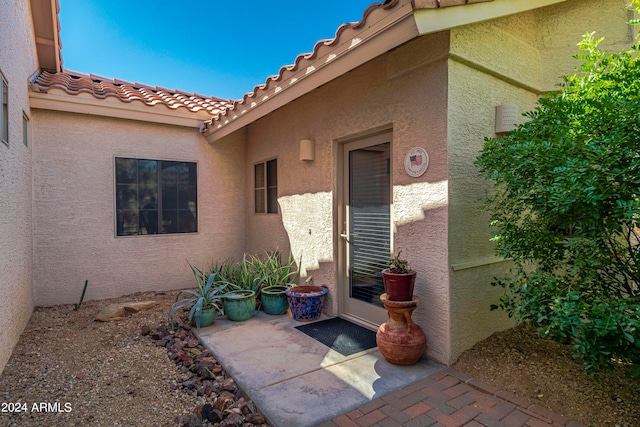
(398, 287)
(399, 340)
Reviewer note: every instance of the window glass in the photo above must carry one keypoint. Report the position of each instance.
(259, 180)
(155, 197)
(272, 186)
(126, 171)
(25, 130)
(4, 116)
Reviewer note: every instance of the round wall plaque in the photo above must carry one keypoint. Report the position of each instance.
(416, 161)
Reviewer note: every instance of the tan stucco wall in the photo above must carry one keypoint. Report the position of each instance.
(509, 60)
(17, 63)
(407, 94)
(74, 228)
(561, 27)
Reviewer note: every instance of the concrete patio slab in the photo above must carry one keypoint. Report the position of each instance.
(297, 381)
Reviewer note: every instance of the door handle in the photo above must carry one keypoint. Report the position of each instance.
(345, 236)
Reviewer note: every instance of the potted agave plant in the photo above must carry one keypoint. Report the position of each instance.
(240, 301)
(399, 279)
(278, 277)
(203, 302)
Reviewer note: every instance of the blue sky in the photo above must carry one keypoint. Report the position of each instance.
(216, 48)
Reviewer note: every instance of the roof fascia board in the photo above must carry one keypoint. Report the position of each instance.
(397, 28)
(434, 20)
(119, 109)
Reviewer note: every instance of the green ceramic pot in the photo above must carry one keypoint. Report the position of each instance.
(239, 305)
(204, 317)
(274, 300)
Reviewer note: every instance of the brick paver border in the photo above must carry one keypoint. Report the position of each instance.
(450, 398)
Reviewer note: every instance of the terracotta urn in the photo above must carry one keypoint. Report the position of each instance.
(399, 340)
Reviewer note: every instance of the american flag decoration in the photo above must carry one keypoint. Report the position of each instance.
(416, 161)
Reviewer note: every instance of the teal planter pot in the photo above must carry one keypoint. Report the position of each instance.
(205, 317)
(239, 305)
(274, 300)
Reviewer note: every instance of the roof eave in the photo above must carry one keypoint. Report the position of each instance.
(58, 100)
(47, 33)
(394, 29)
(431, 20)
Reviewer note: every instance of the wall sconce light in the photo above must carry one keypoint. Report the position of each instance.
(506, 118)
(307, 149)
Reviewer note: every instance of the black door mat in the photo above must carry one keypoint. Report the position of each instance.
(341, 335)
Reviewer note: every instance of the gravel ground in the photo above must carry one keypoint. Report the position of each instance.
(520, 361)
(69, 370)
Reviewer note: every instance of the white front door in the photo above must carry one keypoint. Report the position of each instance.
(366, 227)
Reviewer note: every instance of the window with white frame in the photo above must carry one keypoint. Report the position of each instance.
(4, 114)
(155, 196)
(266, 187)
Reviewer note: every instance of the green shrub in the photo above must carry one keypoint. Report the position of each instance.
(566, 205)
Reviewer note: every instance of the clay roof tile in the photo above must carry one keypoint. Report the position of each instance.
(75, 83)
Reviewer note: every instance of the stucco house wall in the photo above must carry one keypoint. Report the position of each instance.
(439, 92)
(473, 96)
(399, 90)
(74, 212)
(17, 62)
(510, 60)
(561, 27)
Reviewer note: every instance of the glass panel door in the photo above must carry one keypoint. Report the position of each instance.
(367, 233)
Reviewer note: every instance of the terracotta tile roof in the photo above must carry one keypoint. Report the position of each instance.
(75, 83)
(435, 4)
(301, 62)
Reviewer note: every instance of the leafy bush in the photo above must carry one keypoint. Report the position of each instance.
(566, 206)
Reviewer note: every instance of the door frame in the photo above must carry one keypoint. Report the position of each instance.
(371, 138)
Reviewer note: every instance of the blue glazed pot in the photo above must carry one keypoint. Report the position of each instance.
(306, 302)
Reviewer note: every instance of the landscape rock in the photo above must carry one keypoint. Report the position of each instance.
(206, 373)
(233, 420)
(119, 311)
(255, 419)
(224, 403)
(211, 414)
